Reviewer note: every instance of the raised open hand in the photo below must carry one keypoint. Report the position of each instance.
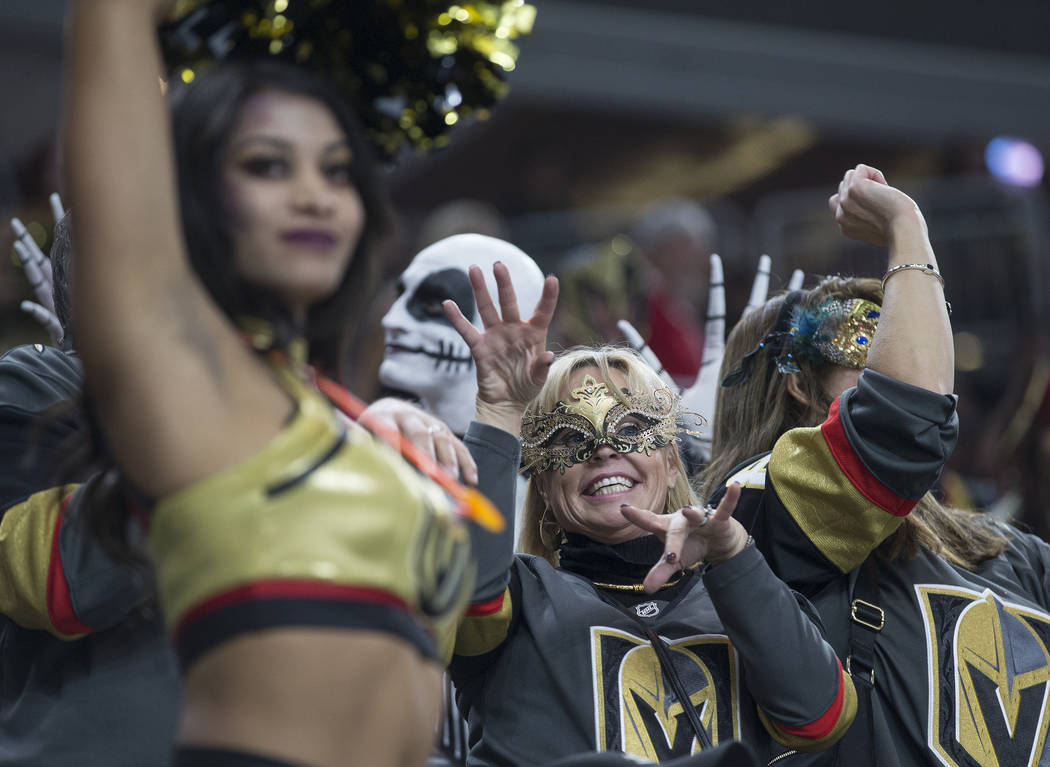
(691, 535)
(510, 354)
(37, 268)
(703, 394)
(866, 207)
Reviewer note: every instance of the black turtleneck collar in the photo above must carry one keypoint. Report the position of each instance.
(626, 562)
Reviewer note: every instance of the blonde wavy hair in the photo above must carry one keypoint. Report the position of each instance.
(539, 534)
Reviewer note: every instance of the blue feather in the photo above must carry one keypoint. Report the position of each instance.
(807, 321)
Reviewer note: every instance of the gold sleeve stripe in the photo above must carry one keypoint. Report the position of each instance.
(483, 632)
(836, 517)
(825, 731)
(34, 592)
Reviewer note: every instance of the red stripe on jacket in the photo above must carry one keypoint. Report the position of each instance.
(486, 608)
(59, 600)
(855, 470)
(290, 589)
(822, 727)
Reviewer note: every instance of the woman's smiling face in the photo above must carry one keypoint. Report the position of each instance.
(587, 496)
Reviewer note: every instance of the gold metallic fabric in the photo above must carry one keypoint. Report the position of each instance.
(27, 532)
(314, 506)
(833, 514)
(480, 634)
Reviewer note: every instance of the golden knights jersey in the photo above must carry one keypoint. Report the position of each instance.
(84, 653)
(962, 663)
(550, 669)
(554, 670)
(988, 679)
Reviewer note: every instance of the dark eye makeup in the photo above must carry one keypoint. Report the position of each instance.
(262, 166)
(276, 166)
(339, 173)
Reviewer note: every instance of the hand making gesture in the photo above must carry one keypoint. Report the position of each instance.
(702, 395)
(510, 354)
(38, 271)
(691, 535)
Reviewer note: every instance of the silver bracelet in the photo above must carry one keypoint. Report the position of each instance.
(924, 268)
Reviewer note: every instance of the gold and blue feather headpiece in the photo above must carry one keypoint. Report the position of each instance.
(837, 331)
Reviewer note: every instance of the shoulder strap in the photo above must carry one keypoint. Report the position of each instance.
(857, 747)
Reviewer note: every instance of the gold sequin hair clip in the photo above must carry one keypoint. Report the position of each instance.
(837, 331)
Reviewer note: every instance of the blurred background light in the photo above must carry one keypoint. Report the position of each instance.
(1014, 161)
(969, 352)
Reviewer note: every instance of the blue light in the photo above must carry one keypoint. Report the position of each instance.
(1014, 161)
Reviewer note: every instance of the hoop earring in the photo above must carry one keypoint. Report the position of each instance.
(550, 530)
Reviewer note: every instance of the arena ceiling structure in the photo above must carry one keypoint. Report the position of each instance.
(934, 68)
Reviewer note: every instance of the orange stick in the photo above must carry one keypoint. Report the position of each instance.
(471, 503)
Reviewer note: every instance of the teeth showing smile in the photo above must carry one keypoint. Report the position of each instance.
(610, 485)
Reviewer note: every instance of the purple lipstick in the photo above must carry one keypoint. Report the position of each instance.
(316, 238)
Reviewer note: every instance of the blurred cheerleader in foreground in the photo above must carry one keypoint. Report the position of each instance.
(308, 574)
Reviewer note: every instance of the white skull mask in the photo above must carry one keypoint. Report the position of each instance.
(424, 356)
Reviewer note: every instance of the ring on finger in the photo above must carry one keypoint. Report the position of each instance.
(433, 429)
(708, 513)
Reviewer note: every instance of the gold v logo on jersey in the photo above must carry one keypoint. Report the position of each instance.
(636, 709)
(989, 678)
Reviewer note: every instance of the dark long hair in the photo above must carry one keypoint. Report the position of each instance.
(61, 283)
(204, 116)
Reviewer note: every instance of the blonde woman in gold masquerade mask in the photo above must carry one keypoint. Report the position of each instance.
(588, 644)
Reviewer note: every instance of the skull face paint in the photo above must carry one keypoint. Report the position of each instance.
(424, 305)
(424, 356)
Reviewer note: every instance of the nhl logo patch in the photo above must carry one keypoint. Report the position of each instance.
(647, 610)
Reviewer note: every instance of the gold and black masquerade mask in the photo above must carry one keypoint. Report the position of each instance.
(838, 332)
(593, 417)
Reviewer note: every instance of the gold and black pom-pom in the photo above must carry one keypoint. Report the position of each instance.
(411, 68)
